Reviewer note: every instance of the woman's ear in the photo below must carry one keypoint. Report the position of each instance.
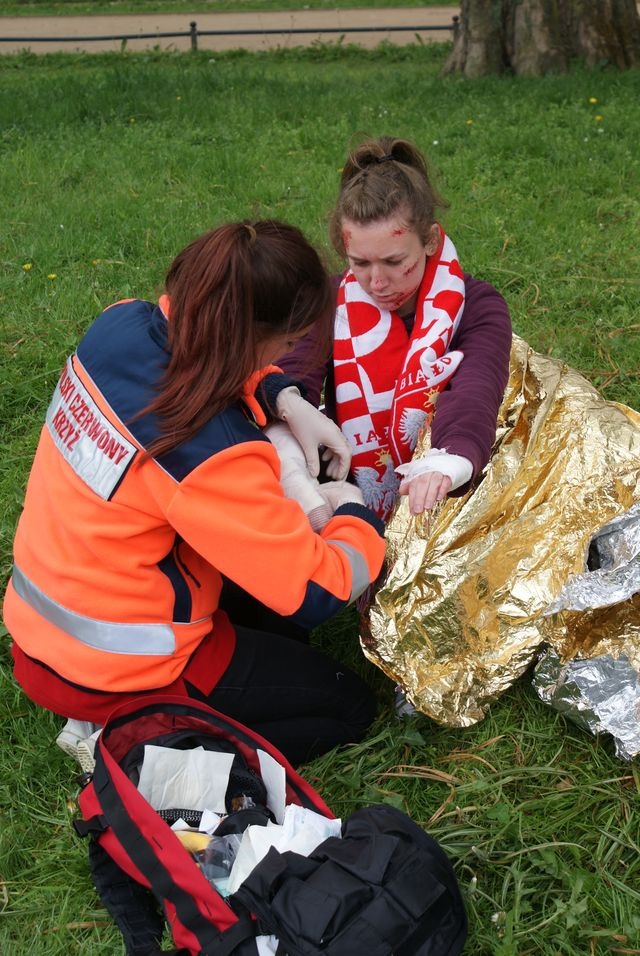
(433, 239)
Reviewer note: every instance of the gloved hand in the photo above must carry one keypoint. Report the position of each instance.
(295, 479)
(314, 430)
(338, 493)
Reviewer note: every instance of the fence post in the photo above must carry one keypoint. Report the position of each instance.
(194, 35)
(456, 27)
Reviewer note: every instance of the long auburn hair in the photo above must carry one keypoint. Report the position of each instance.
(230, 291)
(382, 177)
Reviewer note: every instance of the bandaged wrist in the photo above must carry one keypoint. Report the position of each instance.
(455, 467)
(295, 480)
(298, 486)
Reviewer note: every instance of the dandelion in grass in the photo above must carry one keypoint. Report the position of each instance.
(52, 275)
(178, 98)
(469, 122)
(598, 118)
(27, 266)
(593, 100)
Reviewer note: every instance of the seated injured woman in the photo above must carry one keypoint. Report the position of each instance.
(417, 342)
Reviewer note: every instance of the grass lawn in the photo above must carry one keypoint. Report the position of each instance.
(110, 164)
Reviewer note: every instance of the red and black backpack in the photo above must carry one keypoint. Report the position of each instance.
(384, 888)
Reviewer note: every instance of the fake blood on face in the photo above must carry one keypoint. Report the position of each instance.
(388, 259)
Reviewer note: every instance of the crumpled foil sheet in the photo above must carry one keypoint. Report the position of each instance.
(598, 690)
(600, 694)
(475, 589)
(613, 573)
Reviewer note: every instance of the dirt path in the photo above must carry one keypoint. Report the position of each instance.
(16, 32)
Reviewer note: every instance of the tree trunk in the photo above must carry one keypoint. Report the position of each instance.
(544, 36)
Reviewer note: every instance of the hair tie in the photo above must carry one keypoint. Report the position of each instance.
(385, 159)
(253, 235)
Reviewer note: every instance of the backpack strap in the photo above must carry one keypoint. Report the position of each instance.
(95, 825)
(164, 884)
(230, 939)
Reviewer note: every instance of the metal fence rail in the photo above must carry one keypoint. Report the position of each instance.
(193, 33)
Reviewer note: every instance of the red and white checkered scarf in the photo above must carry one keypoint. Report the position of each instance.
(387, 381)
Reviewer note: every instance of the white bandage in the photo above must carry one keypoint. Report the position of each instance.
(455, 467)
(295, 479)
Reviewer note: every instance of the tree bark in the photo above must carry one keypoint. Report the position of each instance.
(544, 36)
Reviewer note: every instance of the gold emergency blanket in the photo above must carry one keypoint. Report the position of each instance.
(461, 613)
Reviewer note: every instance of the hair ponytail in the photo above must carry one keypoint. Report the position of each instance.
(230, 290)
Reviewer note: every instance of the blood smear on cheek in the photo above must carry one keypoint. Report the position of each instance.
(400, 299)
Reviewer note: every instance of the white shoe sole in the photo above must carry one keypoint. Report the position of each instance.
(84, 755)
(68, 743)
(78, 747)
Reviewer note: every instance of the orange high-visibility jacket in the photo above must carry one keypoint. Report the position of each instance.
(119, 557)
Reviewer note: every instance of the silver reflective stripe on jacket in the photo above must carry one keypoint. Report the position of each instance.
(146, 639)
(359, 571)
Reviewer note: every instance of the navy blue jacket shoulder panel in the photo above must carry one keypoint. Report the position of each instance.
(125, 352)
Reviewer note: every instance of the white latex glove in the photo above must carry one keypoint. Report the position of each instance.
(295, 479)
(338, 493)
(313, 431)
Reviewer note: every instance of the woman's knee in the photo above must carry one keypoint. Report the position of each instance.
(360, 706)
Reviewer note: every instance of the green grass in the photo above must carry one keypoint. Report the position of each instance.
(61, 8)
(108, 165)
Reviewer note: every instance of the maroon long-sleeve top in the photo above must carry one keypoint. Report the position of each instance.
(464, 422)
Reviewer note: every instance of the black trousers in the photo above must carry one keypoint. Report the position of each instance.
(301, 700)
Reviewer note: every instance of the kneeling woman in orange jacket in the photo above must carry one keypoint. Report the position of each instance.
(153, 482)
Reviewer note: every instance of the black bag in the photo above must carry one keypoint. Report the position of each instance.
(384, 889)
